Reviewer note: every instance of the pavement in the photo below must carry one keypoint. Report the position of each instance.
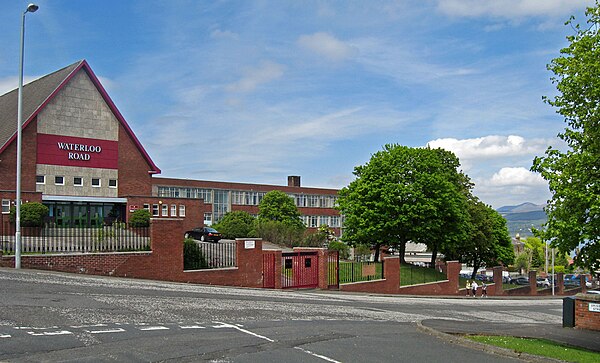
(587, 339)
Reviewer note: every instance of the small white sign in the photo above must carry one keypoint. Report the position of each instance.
(249, 244)
(595, 307)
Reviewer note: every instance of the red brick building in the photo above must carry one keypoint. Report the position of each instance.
(82, 160)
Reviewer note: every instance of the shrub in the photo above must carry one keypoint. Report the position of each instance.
(32, 214)
(281, 233)
(140, 218)
(193, 258)
(236, 224)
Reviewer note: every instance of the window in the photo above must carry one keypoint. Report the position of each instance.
(96, 182)
(112, 183)
(78, 181)
(40, 179)
(155, 210)
(173, 210)
(5, 206)
(147, 207)
(165, 210)
(59, 180)
(208, 218)
(182, 210)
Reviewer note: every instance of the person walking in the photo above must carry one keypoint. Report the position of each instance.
(484, 290)
(468, 287)
(474, 287)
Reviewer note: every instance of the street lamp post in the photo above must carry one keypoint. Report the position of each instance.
(31, 8)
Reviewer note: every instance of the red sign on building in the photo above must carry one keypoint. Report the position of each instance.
(77, 151)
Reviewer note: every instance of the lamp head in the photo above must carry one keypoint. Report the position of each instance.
(32, 8)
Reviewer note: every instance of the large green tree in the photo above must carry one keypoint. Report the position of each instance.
(405, 194)
(574, 174)
(488, 242)
(280, 207)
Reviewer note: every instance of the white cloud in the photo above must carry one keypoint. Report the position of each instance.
(328, 46)
(516, 176)
(492, 146)
(10, 83)
(265, 72)
(224, 34)
(511, 8)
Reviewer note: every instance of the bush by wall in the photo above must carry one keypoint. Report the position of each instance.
(32, 214)
(140, 218)
(193, 258)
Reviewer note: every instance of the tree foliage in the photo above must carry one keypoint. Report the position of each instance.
(140, 218)
(574, 175)
(279, 220)
(32, 214)
(488, 241)
(280, 207)
(236, 224)
(406, 194)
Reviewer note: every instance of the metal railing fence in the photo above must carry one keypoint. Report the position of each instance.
(49, 238)
(351, 271)
(206, 255)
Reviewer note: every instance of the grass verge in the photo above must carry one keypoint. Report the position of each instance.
(541, 347)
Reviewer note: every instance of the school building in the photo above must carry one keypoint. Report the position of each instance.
(82, 160)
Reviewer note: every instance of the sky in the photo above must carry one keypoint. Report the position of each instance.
(254, 91)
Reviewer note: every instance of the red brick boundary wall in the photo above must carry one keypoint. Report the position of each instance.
(390, 284)
(587, 311)
(164, 262)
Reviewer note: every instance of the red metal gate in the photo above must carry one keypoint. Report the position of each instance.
(333, 269)
(269, 270)
(299, 270)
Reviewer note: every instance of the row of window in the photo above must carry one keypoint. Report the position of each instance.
(240, 197)
(165, 210)
(317, 221)
(192, 193)
(78, 181)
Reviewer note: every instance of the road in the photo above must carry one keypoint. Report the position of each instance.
(46, 316)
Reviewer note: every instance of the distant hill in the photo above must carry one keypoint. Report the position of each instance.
(520, 218)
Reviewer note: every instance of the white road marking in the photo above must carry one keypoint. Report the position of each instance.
(149, 328)
(50, 333)
(107, 331)
(35, 328)
(317, 355)
(192, 327)
(5, 336)
(225, 325)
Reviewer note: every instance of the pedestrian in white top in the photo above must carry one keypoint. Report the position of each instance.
(474, 287)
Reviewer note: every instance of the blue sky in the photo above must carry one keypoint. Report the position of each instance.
(254, 91)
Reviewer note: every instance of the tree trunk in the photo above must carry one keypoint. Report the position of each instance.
(433, 256)
(475, 268)
(377, 248)
(402, 251)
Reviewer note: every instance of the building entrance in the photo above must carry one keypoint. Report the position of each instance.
(82, 214)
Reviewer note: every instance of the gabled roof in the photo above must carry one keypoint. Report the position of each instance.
(38, 93)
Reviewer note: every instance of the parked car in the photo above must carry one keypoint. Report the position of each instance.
(521, 280)
(204, 234)
(543, 282)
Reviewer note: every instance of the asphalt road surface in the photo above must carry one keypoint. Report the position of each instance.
(46, 316)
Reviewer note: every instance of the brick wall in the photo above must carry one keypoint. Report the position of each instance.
(134, 178)
(164, 262)
(390, 284)
(584, 318)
